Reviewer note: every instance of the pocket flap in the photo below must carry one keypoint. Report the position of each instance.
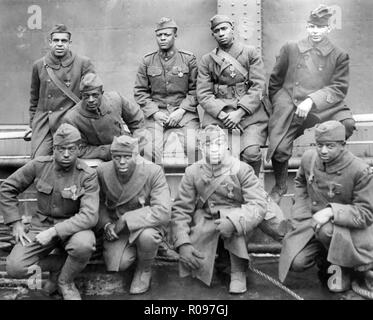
(44, 187)
(154, 71)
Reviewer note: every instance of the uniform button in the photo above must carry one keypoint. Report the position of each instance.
(314, 203)
(49, 111)
(295, 100)
(167, 82)
(298, 66)
(61, 108)
(49, 96)
(48, 80)
(297, 83)
(166, 59)
(318, 53)
(339, 173)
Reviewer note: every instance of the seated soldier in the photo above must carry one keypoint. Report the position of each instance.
(102, 116)
(219, 196)
(135, 208)
(67, 194)
(332, 215)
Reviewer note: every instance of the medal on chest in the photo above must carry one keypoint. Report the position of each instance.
(332, 188)
(230, 188)
(180, 72)
(73, 189)
(68, 82)
(232, 73)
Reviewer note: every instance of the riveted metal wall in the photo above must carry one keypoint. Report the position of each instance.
(352, 23)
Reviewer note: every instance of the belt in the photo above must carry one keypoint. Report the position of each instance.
(229, 92)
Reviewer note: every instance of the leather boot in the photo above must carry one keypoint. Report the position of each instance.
(238, 274)
(143, 274)
(52, 263)
(281, 175)
(256, 165)
(69, 271)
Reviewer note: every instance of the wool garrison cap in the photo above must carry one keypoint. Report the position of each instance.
(210, 133)
(124, 144)
(330, 131)
(90, 81)
(218, 19)
(165, 23)
(320, 16)
(59, 28)
(65, 134)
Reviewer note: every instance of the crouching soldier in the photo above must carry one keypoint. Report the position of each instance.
(219, 196)
(135, 209)
(333, 211)
(67, 199)
(102, 116)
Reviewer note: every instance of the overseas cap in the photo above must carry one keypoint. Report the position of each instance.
(165, 23)
(330, 131)
(210, 133)
(218, 19)
(65, 134)
(320, 16)
(59, 28)
(90, 81)
(124, 145)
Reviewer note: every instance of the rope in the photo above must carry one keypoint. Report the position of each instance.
(273, 281)
(361, 290)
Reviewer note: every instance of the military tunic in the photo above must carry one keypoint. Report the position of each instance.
(346, 186)
(48, 104)
(116, 116)
(302, 70)
(231, 189)
(67, 200)
(221, 87)
(167, 83)
(144, 200)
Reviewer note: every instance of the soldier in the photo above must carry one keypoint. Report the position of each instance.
(230, 86)
(219, 196)
(102, 116)
(54, 88)
(308, 84)
(67, 194)
(165, 89)
(135, 209)
(333, 211)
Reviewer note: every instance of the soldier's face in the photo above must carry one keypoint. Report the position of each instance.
(223, 34)
(166, 38)
(124, 163)
(59, 44)
(65, 155)
(215, 150)
(328, 151)
(91, 100)
(317, 33)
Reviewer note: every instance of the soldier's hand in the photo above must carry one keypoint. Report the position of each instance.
(120, 225)
(46, 236)
(225, 227)
(233, 118)
(160, 117)
(19, 233)
(175, 117)
(109, 233)
(304, 108)
(321, 217)
(190, 257)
